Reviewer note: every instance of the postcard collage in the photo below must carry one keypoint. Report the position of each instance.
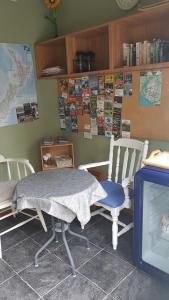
(92, 104)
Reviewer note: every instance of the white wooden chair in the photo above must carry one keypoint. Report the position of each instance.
(125, 158)
(11, 171)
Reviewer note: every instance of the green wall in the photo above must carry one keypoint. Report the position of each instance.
(23, 22)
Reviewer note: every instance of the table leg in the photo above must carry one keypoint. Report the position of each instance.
(67, 249)
(46, 243)
(79, 236)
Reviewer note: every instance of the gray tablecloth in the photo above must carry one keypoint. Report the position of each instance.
(63, 193)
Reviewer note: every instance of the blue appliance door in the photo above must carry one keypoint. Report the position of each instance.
(151, 220)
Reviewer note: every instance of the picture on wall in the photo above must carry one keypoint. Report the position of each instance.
(150, 88)
(18, 100)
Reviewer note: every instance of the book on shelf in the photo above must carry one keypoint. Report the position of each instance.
(145, 52)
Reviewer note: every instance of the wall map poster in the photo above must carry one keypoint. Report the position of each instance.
(18, 100)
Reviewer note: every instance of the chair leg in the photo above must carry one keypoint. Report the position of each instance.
(115, 214)
(41, 218)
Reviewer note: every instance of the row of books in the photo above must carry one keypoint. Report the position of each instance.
(146, 52)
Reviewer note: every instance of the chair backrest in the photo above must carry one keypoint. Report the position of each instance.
(125, 158)
(14, 169)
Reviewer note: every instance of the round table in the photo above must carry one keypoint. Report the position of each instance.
(63, 193)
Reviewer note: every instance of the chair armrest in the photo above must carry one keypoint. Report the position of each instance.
(93, 165)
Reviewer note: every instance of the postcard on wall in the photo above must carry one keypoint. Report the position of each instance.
(71, 88)
(127, 78)
(125, 128)
(108, 106)
(93, 107)
(108, 84)
(150, 88)
(79, 106)
(93, 85)
(117, 122)
(18, 100)
(74, 125)
(63, 88)
(78, 87)
(86, 105)
(101, 90)
(87, 135)
(68, 122)
(117, 102)
(119, 84)
(108, 126)
(62, 123)
(85, 86)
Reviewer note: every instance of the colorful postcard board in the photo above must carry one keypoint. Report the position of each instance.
(88, 104)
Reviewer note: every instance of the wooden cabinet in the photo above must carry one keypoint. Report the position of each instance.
(106, 41)
(57, 155)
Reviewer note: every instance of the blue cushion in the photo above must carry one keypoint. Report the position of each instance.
(115, 194)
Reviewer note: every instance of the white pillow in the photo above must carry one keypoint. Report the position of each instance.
(7, 189)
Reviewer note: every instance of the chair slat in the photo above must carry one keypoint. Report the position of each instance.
(18, 171)
(25, 170)
(125, 163)
(132, 163)
(117, 164)
(9, 171)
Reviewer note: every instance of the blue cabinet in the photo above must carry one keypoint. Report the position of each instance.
(151, 221)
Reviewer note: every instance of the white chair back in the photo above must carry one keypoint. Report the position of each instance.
(125, 158)
(14, 169)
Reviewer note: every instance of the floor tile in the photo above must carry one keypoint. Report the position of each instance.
(140, 285)
(16, 289)
(32, 227)
(20, 256)
(100, 233)
(50, 272)
(4, 225)
(74, 289)
(5, 271)
(124, 248)
(12, 238)
(79, 251)
(106, 270)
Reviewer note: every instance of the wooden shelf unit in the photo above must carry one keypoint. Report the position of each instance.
(106, 41)
(50, 53)
(56, 150)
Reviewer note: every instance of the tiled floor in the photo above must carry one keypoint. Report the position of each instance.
(102, 273)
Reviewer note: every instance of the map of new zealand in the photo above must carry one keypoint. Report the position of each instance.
(18, 100)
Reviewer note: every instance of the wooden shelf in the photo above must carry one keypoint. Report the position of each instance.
(61, 51)
(76, 75)
(163, 65)
(50, 53)
(106, 41)
(56, 150)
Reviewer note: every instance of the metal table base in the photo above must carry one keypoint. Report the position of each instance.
(61, 226)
